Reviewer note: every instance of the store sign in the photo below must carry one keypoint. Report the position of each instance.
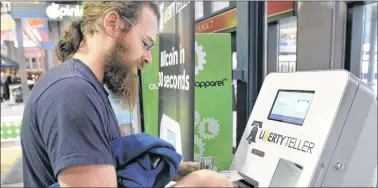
(217, 23)
(5, 7)
(228, 19)
(276, 8)
(58, 11)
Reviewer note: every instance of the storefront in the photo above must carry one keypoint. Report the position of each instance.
(31, 32)
(52, 17)
(221, 17)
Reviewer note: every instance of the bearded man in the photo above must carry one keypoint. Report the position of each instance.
(68, 121)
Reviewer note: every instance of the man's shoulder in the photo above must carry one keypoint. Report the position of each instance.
(67, 86)
(59, 80)
(70, 88)
(70, 96)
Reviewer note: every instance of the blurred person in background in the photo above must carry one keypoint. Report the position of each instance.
(16, 78)
(68, 121)
(7, 80)
(2, 86)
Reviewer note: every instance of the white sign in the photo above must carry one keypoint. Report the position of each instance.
(56, 11)
(4, 50)
(5, 7)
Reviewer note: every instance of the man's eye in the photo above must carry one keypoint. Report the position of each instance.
(145, 45)
(148, 46)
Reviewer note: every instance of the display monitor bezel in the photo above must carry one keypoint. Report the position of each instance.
(292, 91)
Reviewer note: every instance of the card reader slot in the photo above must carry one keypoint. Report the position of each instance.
(245, 182)
(258, 152)
(242, 183)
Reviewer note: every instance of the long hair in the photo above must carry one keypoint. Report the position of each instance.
(93, 14)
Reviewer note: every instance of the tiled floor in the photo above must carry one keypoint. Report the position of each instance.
(9, 185)
(10, 152)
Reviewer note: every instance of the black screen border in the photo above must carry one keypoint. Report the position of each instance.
(292, 91)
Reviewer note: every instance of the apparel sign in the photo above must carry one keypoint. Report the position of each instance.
(213, 98)
(176, 76)
(58, 11)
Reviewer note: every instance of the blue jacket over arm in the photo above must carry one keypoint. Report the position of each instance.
(142, 160)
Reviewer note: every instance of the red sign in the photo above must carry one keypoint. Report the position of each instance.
(227, 20)
(219, 22)
(279, 7)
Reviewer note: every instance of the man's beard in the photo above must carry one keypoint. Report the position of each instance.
(120, 76)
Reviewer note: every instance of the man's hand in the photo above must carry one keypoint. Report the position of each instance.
(204, 178)
(186, 168)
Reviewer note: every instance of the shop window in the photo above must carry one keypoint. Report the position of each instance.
(34, 63)
(369, 52)
(287, 57)
(198, 10)
(220, 5)
(28, 66)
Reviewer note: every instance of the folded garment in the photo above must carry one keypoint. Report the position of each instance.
(142, 160)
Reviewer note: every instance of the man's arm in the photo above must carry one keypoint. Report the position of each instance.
(75, 136)
(88, 176)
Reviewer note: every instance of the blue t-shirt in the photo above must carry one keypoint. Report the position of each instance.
(68, 121)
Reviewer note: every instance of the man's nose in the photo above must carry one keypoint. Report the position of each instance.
(147, 58)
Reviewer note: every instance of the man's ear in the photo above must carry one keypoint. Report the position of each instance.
(112, 24)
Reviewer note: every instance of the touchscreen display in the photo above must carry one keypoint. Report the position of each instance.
(291, 106)
(171, 137)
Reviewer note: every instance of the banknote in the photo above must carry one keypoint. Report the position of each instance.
(207, 163)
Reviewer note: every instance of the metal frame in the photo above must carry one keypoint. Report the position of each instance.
(21, 60)
(354, 38)
(136, 126)
(207, 10)
(140, 115)
(273, 40)
(251, 17)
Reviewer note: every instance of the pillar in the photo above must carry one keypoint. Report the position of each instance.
(321, 33)
(250, 71)
(21, 60)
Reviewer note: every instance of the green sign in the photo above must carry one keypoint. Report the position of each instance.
(213, 98)
(150, 93)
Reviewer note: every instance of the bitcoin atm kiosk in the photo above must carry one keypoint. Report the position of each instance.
(310, 129)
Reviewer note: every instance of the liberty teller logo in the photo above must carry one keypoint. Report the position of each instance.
(252, 135)
(279, 139)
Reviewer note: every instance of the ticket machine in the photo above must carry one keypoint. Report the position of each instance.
(310, 129)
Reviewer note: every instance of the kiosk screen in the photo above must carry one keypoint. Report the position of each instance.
(291, 106)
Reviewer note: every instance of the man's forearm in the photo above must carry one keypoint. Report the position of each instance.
(188, 181)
